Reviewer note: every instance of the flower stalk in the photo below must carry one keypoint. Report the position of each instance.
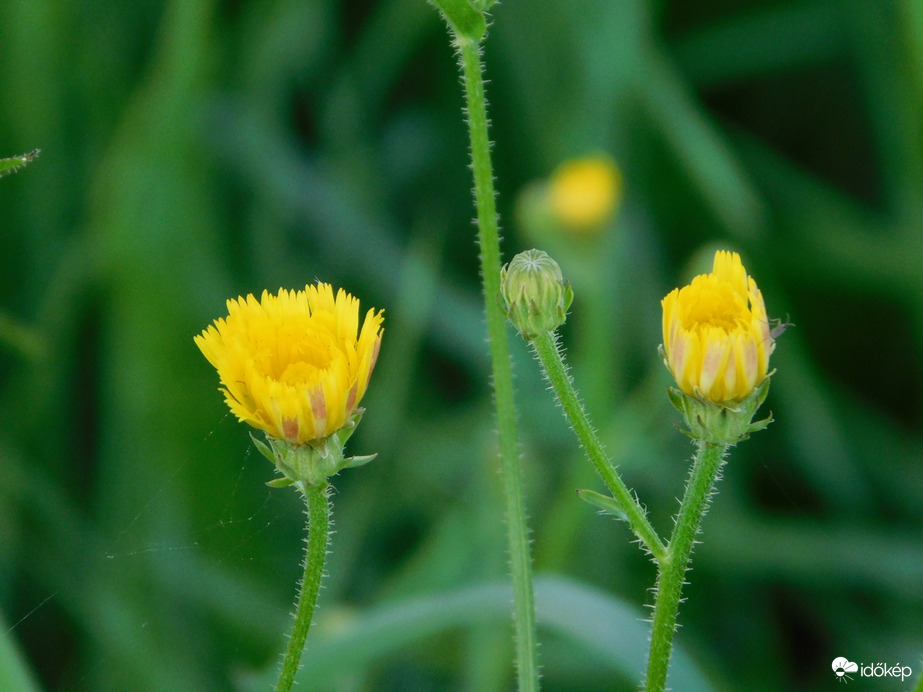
(706, 470)
(489, 242)
(318, 515)
(626, 504)
(467, 26)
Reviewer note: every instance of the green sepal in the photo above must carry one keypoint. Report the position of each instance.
(14, 163)
(607, 504)
(280, 482)
(355, 462)
(263, 448)
(315, 461)
(676, 398)
(761, 424)
(344, 433)
(463, 18)
(727, 423)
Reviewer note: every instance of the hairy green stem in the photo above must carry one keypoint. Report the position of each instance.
(706, 469)
(318, 513)
(552, 361)
(489, 241)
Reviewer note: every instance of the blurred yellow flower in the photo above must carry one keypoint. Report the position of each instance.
(296, 364)
(584, 193)
(716, 334)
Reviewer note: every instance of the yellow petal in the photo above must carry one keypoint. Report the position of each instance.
(293, 364)
(716, 333)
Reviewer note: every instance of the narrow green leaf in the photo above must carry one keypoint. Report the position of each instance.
(13, 164)
(280, 482)
(607, 504)
(15, 674)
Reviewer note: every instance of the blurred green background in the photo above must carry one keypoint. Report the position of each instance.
(195, 150)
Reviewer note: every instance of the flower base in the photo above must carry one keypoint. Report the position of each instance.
(727, 423)
(314, 462)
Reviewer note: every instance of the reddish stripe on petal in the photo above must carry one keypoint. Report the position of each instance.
(290, 429)
(374, 359)
(319, 408)
(351, 399)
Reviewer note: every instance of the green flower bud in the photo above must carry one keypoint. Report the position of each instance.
(536, 295)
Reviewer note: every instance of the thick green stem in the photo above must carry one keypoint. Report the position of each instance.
(489, 240)
(705, 471)
(552, 361)
(318, 511)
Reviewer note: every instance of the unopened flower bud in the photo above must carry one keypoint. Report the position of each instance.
(717, 342)
(536, 295)
(716, 335)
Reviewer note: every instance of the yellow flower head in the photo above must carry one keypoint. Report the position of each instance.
(584, 193)
(295, 365)
(716, 335)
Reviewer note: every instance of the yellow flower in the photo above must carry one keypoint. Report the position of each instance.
(584, 193)
(716, 334)
(294, 365)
